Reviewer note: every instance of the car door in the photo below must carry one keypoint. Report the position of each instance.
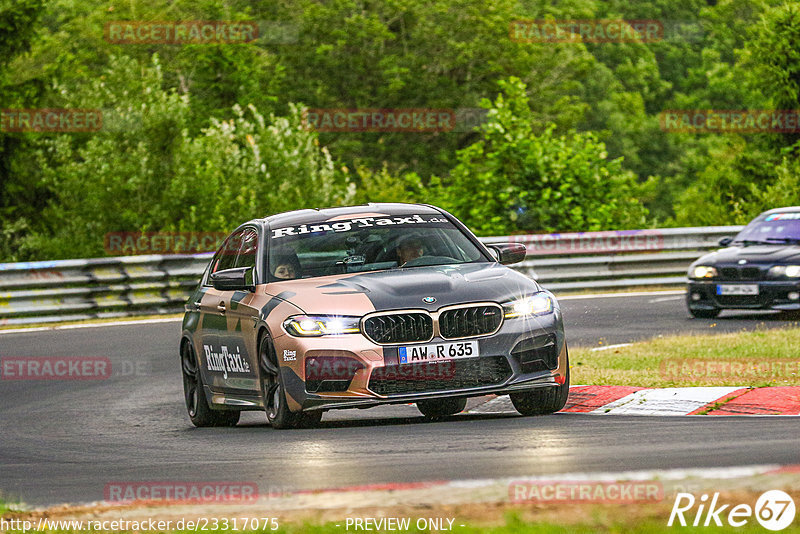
(215, 339)
(242, 317)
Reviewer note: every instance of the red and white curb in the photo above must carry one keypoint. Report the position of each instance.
(626, 400)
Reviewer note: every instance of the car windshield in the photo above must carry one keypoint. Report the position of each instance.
(775, 228)
(363, 244)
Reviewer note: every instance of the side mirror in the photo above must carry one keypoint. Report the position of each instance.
(725, 241)
(509, 253)
(239, 279)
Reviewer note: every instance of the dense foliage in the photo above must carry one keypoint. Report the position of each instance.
(201, 137)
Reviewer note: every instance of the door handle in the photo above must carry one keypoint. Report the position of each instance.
(221, 307)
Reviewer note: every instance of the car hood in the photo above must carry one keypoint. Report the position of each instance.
(758, 254)
(361, 293)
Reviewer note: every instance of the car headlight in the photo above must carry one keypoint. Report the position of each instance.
(321, 325)
(789, 271)
(704, 271)
(538, 304)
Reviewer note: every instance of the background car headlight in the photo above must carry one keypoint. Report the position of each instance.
(321, 325)
(703, 271)
(789, 271)
(538, 304)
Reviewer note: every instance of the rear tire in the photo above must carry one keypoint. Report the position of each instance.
(705, 314)
(200, 413)
(439, 408)
(542, 401)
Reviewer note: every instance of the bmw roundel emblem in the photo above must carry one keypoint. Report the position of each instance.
(429, 300)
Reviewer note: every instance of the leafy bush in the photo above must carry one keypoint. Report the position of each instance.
(145, 171)
(518, 180)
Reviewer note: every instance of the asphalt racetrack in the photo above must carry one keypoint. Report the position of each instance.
(63, 441)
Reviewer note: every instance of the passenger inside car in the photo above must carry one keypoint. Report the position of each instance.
(286, 265)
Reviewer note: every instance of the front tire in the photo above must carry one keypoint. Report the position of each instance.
(439, 408)
(542, 401)
(278, 413)
(200, 413)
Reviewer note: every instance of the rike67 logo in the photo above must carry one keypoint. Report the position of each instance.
(774, 510)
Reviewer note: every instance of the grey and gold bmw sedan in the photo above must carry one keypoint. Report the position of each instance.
(352, 307)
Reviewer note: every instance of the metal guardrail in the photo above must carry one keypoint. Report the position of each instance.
(48, 291)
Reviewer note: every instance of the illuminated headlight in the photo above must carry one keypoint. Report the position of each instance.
(321, 325)
(704, 271)
(538, 304)
(789, 271)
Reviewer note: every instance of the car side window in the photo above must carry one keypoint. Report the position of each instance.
(249, 249)
(226, 255)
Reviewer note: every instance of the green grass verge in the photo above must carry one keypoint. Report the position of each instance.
(4, 507)
(756, 359)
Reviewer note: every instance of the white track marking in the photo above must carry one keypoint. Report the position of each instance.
(665, 401)
(609, 347)
(89, 325)
(665, 299)
(615, 295)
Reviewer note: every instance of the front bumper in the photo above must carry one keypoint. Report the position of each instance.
(772, 295)
(525, 353)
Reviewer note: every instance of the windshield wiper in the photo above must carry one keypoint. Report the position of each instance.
(747, 242)
(786, 240)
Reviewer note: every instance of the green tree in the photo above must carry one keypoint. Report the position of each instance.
(517, 180)
(147, 172)
(20, 192)
(747, 174)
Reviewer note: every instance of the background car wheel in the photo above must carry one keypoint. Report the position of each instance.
(275, 405)
(541, 401)
(438, 408)
(705, 314)
(200, 413)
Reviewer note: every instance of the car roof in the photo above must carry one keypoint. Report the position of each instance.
(790, 209)
(317, 215)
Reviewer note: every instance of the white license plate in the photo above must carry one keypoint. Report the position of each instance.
(438, 352)
(737, 289)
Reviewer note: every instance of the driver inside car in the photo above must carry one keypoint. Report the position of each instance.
(409, 249)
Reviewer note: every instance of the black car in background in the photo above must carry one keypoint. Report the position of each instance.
(757, 269)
